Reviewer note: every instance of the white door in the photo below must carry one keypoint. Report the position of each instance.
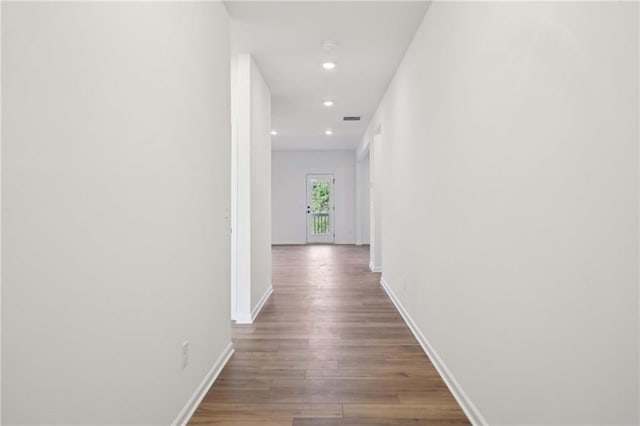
(320, 209)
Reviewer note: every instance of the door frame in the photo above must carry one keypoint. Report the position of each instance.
(331, 236)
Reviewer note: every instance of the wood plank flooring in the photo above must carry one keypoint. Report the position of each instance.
(330, 349)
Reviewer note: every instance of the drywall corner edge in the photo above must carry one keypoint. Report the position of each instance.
(469, 408)
(243, 319)
(250, 318)
(1, 422)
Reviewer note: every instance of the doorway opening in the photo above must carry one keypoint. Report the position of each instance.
(320, 209)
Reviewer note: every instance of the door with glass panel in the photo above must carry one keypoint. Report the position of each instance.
(320, 209)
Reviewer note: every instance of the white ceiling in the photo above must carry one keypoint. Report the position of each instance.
(285, 40)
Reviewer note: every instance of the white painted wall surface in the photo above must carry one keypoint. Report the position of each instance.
(234, 185)
(511, 204)
(289, 193)
(241, 147)
(376, 177)
(364, 199)
(115, 187)
(252, 103)
(260, 187)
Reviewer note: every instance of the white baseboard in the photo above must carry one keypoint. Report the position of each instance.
(465, 403)
(193, 403)
(261, 303)
(250, 318)
(303, 243)
(243, 319)
(374, 268)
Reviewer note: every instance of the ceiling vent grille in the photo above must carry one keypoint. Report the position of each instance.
(351, 118)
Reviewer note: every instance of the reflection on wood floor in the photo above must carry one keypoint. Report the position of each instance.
(329, 348)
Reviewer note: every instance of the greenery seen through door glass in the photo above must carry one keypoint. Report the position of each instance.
(320, 196)
(320, 206)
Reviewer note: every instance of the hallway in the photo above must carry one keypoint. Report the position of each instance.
(329, 348)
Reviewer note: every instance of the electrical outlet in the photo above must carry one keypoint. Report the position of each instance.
(185, 354)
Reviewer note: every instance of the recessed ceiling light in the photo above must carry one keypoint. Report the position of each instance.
(329, 65)
(328, 132)
(328, 103)
(274, 132)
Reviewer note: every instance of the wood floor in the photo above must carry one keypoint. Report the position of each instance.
(329, 348)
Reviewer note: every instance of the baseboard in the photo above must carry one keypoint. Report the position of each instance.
(467, 406)
(256, 311)
(303, 243)
(243, 319)
(374, 268)
(250, 318)
(193, 403)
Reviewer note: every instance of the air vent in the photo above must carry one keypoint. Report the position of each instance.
(351, 118)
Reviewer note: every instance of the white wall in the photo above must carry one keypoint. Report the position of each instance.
(252, 104)
(377, 174)
(260, 187)
(234, 185)
(510, 222)
(115, 186)
(289, 193)
(364, 199)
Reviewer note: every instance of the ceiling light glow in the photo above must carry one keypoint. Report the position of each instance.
(328, 132)
(328, 103)
(274, 132)
(329, 45)
(329, 65)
